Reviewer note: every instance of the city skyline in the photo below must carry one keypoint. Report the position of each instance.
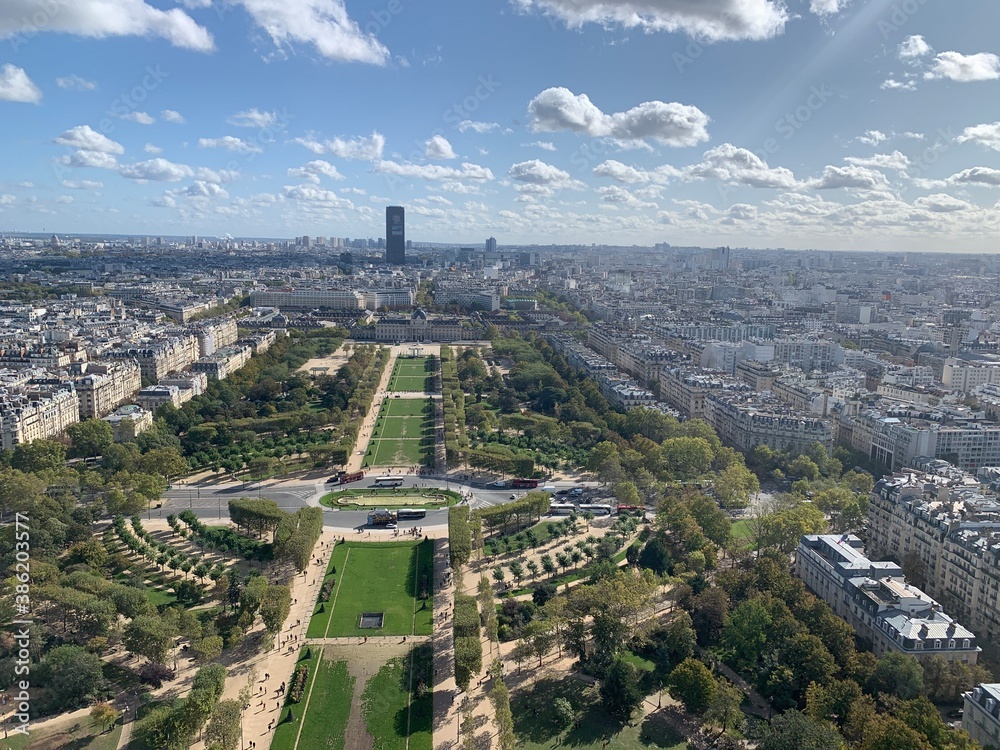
(832, 125)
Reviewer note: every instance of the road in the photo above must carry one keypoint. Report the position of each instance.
(209, 500)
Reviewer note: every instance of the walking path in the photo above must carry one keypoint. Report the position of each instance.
(355, 461)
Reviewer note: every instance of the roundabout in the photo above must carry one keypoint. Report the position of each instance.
(420, 498)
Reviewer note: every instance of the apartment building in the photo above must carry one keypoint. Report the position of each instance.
(129, 421)
(965, 376)
(875, 599)
(982, 715)
(106, 385)
(686, 389)
(214, 334)
(469, 298)
(224, 362)
(161, 356)
(29, 415)
(744, 421)
(308, 299)
(948, 533)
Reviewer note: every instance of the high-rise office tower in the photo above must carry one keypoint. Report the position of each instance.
(491, 245)
(395, 236)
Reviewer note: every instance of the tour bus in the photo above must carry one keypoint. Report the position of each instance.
(597, 510)
(561, 509)
(410, 513)
(388, 481)
(382, 517)
(524, 484)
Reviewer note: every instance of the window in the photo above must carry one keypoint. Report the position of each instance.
(937, 643)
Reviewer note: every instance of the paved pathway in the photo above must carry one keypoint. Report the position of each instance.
(355, 462)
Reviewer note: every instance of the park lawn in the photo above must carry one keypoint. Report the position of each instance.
(383, 577)
(391, 709)
(412, 383)
(406, 407)
(415, 365)
(286, 731)
(537, 728)
(741, 533)
(404, 427)
(321, 619)
(329, 708)
(400, 452)
(66, 736)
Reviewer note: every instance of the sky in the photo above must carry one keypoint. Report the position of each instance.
(828, 124)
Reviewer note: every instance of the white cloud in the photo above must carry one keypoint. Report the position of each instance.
(955, 66)
(142, 118)
(738, 165)
(360, 148)
(75, 83)
(438, 147)
(253, 118)
(827, 7)
(149, 148)
(477, 127)
(619, 196)
(315, 196)
(914, 136)
(633, 176)
(543, 145)
(15, 86)
(202, 189)
(670, 123)
(324, 24)
(7, 199)
(914, 47)
(740, 212)
(942, 203)
(538, 178)
(156, 170)
(312, 171)
(985, 135)
(872, 137)
(895, 160)
(467, 171)
(229, 143)
(976, 176)
(711, 20)
(92, 159)
(103, 18)
(171, 115)
(849, 177)
(87, 139)
(82, 184)
(64, 199)
(891, 84)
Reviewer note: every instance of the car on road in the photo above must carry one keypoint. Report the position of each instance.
(576, 491)
(563, 492)
(512, 497)
(958, 713)
(391, 526)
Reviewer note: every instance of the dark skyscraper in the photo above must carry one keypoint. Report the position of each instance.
(395, 236)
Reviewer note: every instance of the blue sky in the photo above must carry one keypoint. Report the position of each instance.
(812, 124)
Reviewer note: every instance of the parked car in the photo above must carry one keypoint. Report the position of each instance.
(512, 497)
(563, 492)
(958, 713)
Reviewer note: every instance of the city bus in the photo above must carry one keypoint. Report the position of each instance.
(561, 509)
(388, 481)
(410, 513)
(524, 484)
(597, 510)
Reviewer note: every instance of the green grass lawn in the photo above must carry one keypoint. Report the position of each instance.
(329, 708)
(536, 726)
(404, 427)
(69, 736)
(399, 453)
(395, 708)
(382, 577)
(320, 620)
(407, 407)
(394, 497)
(741, 532)
(412, 384)
(286, 731)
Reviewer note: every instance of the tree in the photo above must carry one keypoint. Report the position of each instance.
(502, 717)
(72, 674)
(679, 638)
(565, 714)
(275, 605)
(207, 649)
(38, 456)
(149, 636)
(103, 714)
(166, 462)
(746, 632)
(734, 485)
(224, 728)
(693, 685)
(91, 437)
(621, 693)
(890, 733)
(796, 731)
(547, 565)
(898, 674)
(724, 708)
(532, 568)
(710, 611)
(498, 574)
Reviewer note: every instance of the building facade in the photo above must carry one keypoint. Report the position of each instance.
(395, 235)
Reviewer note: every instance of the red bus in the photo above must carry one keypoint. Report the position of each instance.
(631, 509)
(524, 484)
(343, 477)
